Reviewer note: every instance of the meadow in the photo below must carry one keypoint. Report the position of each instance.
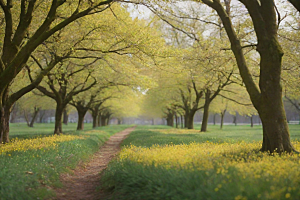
(158, 162)
(32, 162)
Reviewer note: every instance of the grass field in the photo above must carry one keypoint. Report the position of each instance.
(31, 163)
(157, 162)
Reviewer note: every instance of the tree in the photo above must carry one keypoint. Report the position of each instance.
(267, 96)
(28, 24)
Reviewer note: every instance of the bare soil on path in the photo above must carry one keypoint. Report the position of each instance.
(83, 183)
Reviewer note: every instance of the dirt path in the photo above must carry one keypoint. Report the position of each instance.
(83, 183)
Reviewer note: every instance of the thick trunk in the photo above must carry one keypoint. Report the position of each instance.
(170, 119)
(80, 123)
(66, 117)
(186, 120)
(58, 118)
(251, 120)
(36, 111)
(190, 124)
(95, 118)
(4, 124)
(271, 109)
(205, 117)
(275, 131)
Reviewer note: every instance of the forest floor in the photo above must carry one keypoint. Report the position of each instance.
(84, 181)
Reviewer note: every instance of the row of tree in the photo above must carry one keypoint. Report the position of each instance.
(90, 53)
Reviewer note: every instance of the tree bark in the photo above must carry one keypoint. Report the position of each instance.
(222, 118)
(4, 124)
(98, 122)
(176, 120)
(42, 114)
(181, 121)
(251, 121)
(80, 123)
(103, 121)
(58, 118)
(190, 121)
(66, 117)
(36, 111)
(205, 112)
(234, 120)
(95, 116)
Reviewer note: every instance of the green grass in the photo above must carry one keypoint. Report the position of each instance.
(21, 130)
(270, 178)
(32, 174)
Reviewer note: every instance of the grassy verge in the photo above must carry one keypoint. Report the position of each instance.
(176, 164)
(31, 167)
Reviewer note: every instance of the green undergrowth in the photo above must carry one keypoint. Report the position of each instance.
(31, 174)
(159, 164)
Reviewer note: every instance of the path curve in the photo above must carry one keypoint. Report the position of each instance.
(82, 185)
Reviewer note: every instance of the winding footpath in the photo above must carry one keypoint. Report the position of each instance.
(83, 184)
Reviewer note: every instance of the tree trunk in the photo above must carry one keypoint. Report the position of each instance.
(275, 132)
(271, 109)
(58, 118)
(251, 120)
(215, 118)
(66, 117)
(153, 122)
(234, 120)
(170, 119)
(186, 120)
(176, 121)
(36, 111)
(103, 121)
(205, 116)
(80, 123)
(119, 121)
(42, 114)
(4, 124)
(181, 121)
(26, 117)
(222, 118)
(190, 123)
(99, 120)
(95, 114)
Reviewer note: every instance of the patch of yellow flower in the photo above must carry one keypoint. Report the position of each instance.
(220, 158)
(37, 143)
(176, 131)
